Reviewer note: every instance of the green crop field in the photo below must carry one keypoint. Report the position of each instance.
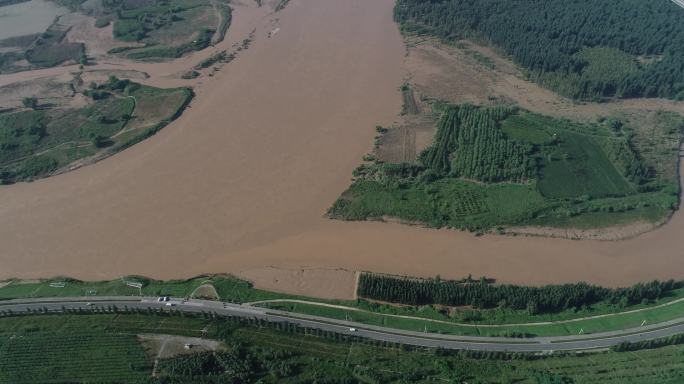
(575, 165)
(500, 166)
(81, 356)
(38, 140)
(103, 348)
(84, 348)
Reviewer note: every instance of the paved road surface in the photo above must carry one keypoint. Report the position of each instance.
(536, 344)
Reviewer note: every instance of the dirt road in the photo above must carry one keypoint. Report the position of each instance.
(242, 179)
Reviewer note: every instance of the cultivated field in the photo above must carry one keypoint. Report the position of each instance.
(76, 345)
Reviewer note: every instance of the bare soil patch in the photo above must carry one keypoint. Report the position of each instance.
(413, 133)
(316, 282)
(608, 233)
(458, 74)
(101, 75)
(54, 91)
(165, 346)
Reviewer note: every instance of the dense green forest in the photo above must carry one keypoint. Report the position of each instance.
(583, 49)
(504, 166)
(482, 294)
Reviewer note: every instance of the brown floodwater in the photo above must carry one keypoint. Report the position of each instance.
(242, 179)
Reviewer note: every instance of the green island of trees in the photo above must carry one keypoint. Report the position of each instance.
(492, 167)
(583, 49)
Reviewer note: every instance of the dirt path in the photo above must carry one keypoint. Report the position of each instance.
(241, 180)
(160, 346)
(205, 291)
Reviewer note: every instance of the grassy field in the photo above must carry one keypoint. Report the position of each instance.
(228, 288)
(510, 167)
(501, 316)
(168, 29)
(617, 322)
(71, 346)
(38, 140)
(448, 202)
(574, 164)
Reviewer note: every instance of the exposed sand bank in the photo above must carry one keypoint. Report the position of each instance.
(242, 179)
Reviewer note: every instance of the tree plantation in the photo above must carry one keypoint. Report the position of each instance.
(583, 49)
(481, 294)
(470, 145)
(505, 166)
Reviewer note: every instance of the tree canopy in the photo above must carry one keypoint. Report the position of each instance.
(581, 48)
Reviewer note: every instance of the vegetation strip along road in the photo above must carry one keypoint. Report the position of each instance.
(535, 344)
(345, 308)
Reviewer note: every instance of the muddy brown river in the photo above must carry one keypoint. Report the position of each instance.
(242, 179)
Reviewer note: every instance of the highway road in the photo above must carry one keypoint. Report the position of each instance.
(535, 344)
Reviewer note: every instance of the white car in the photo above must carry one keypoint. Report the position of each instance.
(163, 299)
(352, 329)
(170, 304)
